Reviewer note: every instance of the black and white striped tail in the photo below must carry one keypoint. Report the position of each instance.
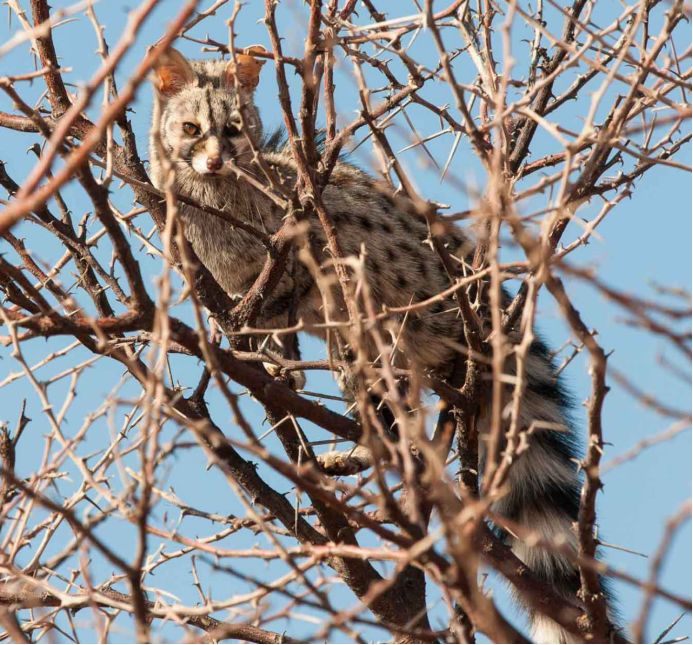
(544, 486)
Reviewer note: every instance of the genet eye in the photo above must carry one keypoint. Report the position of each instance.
(231, 131)
(191, 129)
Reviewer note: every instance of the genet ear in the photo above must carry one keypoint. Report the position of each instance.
(172, 72)
(246, 69)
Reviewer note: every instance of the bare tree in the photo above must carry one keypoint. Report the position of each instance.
(560, 108)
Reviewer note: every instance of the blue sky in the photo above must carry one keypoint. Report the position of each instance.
(644, 242)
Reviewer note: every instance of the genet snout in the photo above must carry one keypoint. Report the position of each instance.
(214, 164)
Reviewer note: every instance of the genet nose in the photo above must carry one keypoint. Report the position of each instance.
(214, 163)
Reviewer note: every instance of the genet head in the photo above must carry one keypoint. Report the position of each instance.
(205, 111)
